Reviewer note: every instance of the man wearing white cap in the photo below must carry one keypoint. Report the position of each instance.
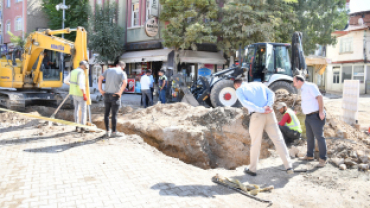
(289, 125)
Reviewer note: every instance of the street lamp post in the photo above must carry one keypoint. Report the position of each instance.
(63, 7)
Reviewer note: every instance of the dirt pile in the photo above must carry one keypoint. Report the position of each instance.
(207, 138)
(218, 137)
(347, 147)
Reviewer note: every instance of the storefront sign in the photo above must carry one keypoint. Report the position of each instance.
(204, 72)
(130, 86)
(143, 46)
(151, 27)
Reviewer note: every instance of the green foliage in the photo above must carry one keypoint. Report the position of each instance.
(250, 21)
(190, 22)
(106, 37)
(76, 15)
(317, 19)
(16, 40)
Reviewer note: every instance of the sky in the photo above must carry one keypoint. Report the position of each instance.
(359, 5)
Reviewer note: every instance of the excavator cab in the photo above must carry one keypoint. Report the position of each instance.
(266, 59)
(51, 66)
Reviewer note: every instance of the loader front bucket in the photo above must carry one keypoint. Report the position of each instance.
(178, 82)
(188, 97)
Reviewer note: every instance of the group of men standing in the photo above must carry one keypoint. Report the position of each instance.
(259, 100)
(115, 84)
(255, 96)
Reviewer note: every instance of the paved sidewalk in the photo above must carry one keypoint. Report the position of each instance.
(48, 167)
(42, 166)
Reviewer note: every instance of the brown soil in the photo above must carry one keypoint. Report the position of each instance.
(218, 137)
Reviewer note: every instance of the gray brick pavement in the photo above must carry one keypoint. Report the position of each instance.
(56, 171)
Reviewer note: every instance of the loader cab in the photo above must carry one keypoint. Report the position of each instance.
(266, 59)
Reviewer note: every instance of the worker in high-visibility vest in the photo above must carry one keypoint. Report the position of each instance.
(76, 80)
(289, 125)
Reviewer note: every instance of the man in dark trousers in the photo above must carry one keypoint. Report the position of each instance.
(289, 125)
(162, 85)
(313, 106)
(115, 84)
(146, 94)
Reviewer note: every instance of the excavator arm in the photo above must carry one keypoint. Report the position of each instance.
(37, 42)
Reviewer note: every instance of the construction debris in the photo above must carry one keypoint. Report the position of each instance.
(250, 190)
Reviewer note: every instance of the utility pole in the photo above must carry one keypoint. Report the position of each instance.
(63, 7)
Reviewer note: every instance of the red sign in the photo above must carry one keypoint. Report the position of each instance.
(130, 86)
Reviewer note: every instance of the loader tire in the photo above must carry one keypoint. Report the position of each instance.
(223, 94)
(283, 87)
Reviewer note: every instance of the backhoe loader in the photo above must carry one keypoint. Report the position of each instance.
(268, 63)
(27, 79)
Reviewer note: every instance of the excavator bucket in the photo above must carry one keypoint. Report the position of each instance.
(179, 84)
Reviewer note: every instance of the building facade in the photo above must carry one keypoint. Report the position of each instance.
(144, 48)
(21, 17)
(349, 58)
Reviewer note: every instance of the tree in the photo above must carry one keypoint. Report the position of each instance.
(317, 19)
(250, 21)
(189, 22)
(106, 36)
(16, 40)
(76, 15)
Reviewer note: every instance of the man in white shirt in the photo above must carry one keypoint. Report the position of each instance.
(313, 106)
(145, 89)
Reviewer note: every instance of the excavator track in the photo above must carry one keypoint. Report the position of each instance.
(19, 100)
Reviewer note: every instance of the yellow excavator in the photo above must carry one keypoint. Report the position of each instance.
(27, 79)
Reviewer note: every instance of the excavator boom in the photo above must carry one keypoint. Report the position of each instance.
(28, 75)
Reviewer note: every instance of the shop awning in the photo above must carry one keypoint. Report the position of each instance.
(146, 56)
(318, 62)
(204, 57)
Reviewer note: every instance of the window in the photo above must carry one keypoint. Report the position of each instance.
(8, 26)
(346, 45)
(148, 10)
(346, 73)
(8, 3)
(359, 73)
(282, 60)
(336, 75)
(135, 15)
(16, 1)
(18, 24)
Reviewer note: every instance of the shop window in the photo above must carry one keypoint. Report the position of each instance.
(135, 15)
(346, 73)
(336, 75)
(359, 73)
(346, 45)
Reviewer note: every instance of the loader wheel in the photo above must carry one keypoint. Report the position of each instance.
(283, 87)
(223, 94)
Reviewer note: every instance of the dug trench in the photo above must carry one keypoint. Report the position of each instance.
(216, 137)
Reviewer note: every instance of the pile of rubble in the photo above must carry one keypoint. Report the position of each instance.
(219, 137)
(205, 137)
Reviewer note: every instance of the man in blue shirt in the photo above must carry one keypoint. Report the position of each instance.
(258, 99)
